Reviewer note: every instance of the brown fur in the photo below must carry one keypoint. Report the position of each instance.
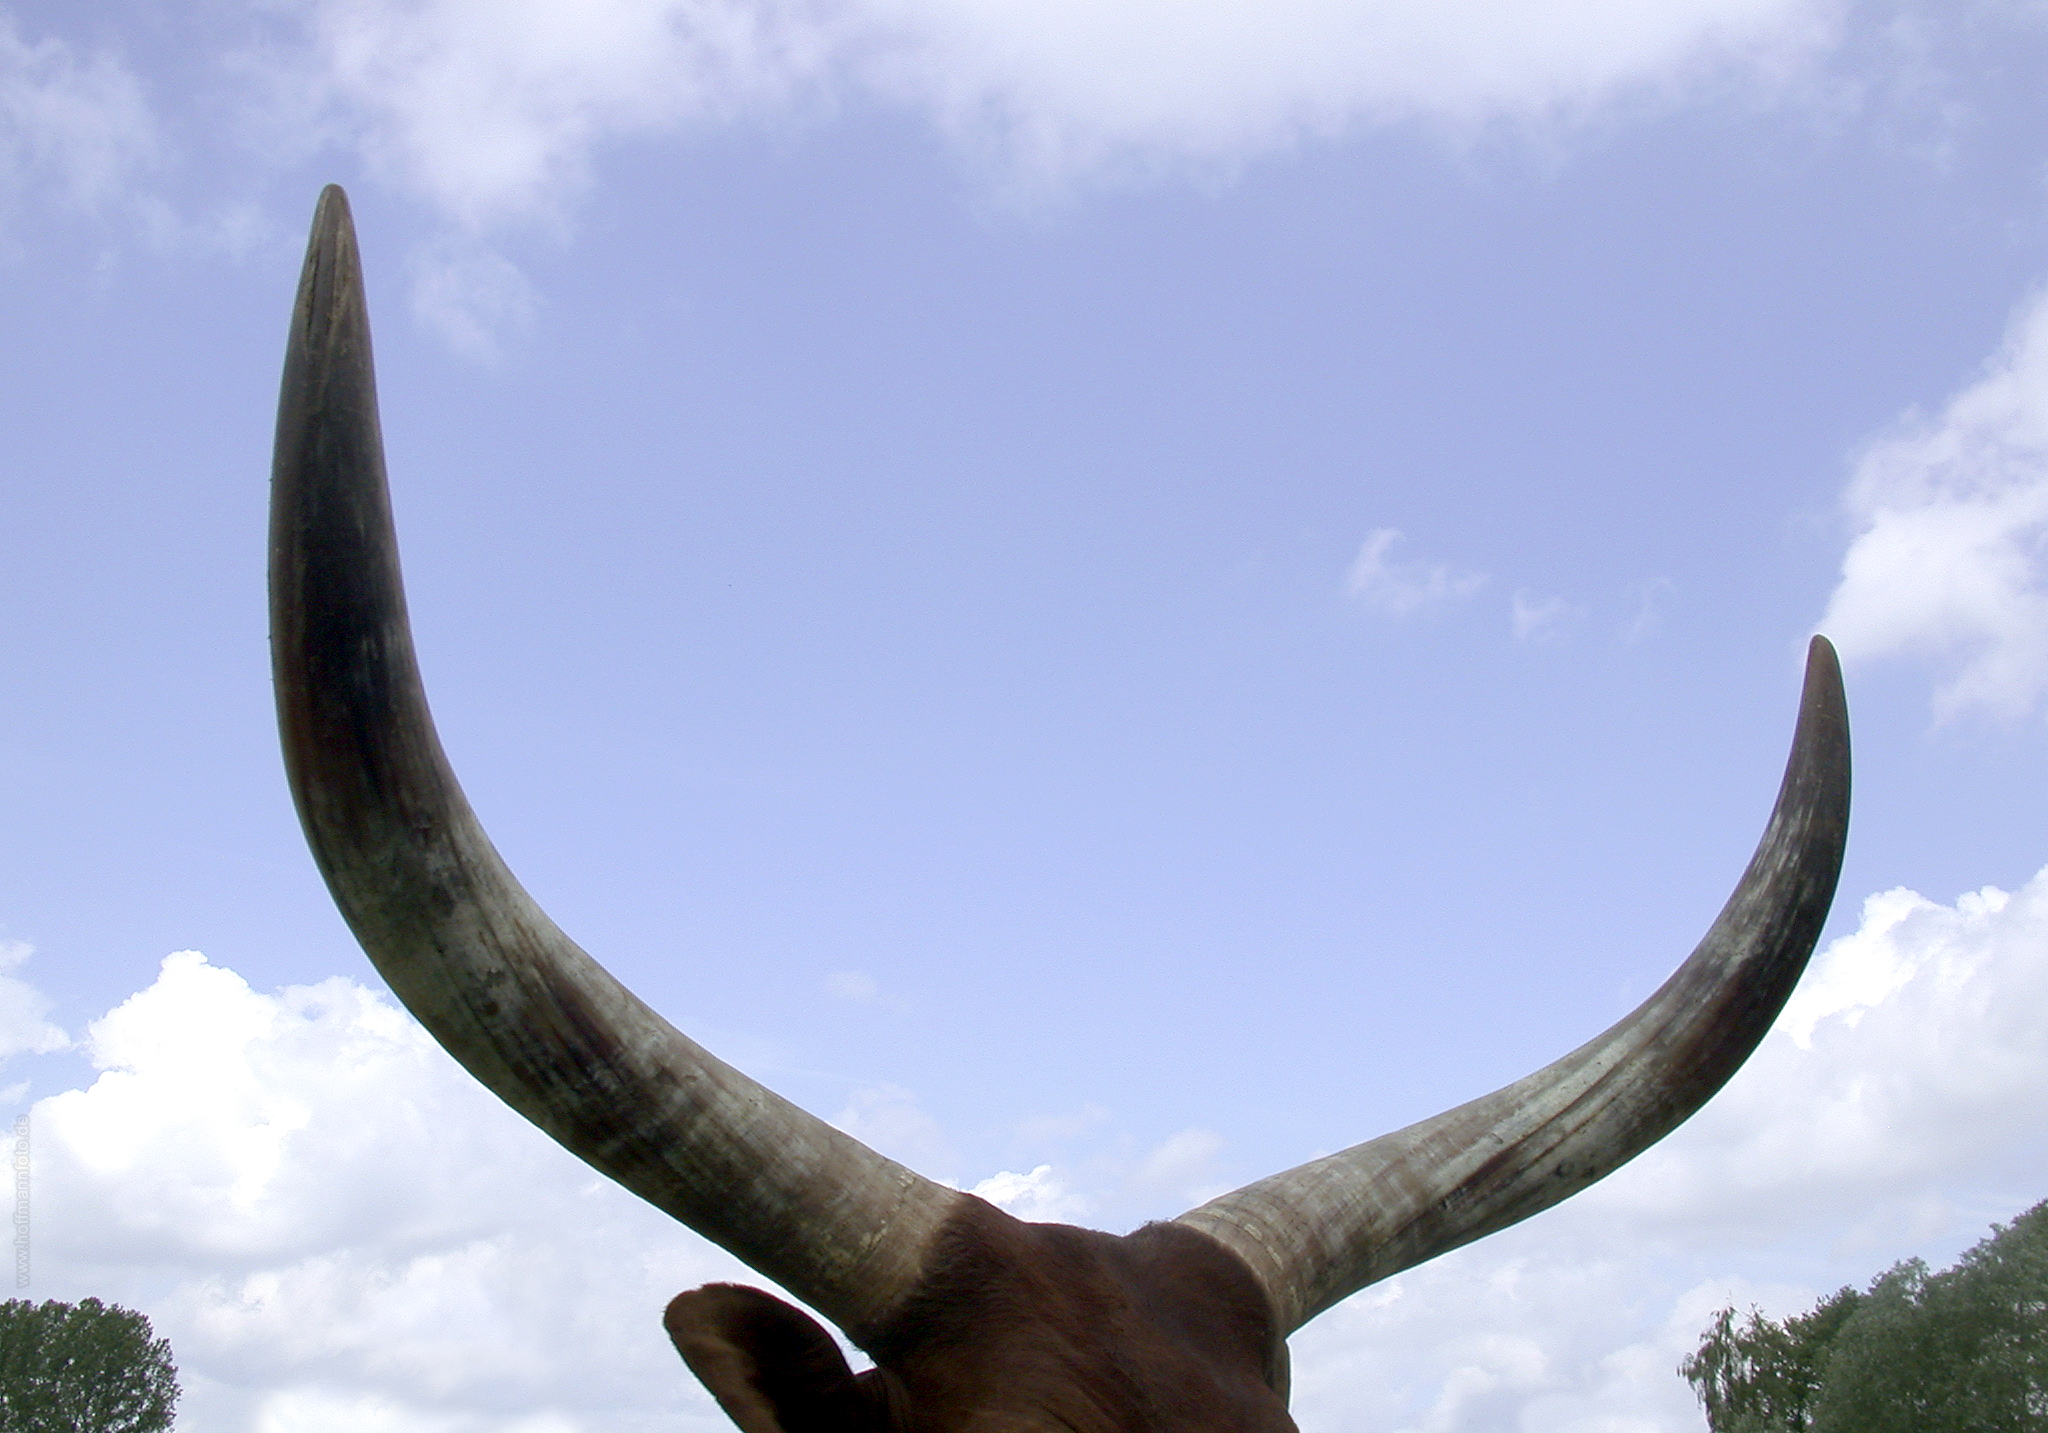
(1014, 1327)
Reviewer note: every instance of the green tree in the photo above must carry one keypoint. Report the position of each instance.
(83, 1368)
(1762, 1376)
(1960, 1351)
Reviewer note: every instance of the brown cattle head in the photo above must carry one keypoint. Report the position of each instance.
(977, 1322)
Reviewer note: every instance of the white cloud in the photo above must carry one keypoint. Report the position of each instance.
(494, 110)
(1951, 517)
(1401, 588)
(1040, 1130)
(1914, 1053)
(491, 108)
(1183, 1166)
(23, 1030)
(889, 1118)
(337, 1228)
(1075, 87)
(1649, 611)
(1537, 620)
(474, 298)
(74, 127)
(856, 986)
(1861, 971)
(1895, 1110)
(1040, 1196)
(1519, 1334)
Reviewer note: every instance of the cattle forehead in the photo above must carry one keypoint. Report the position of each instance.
(1050, 1326)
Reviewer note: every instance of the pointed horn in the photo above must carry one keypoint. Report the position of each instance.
(460, 942)
(1319, 1233)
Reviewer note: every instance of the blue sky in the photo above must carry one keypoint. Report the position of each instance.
(1111, 596)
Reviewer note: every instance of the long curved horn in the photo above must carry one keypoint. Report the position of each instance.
(463, 945)
(1321, 1232)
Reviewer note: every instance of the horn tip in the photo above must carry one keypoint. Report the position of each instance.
(333, 238)
(330, 301)
(332, 212)
(1823, 686)
(1821, 656)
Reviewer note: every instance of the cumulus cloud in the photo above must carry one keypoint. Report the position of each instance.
(476, 299)
(1401, 588)
(337, 1228)
(1536, 620)
(1522, 1333)
(495, 110)
(1914, 1052)
(856, 987)
(1951, 517)
(23, 1028)
(1072, 87)
(1183, 1167)
(1649, 610)
(74, 127)
(1040, 1130)
(1040, 1195)
(889, 1118)
(1895, 1109)
(492, 110)
(495, 113)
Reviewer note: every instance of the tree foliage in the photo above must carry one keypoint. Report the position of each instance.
(1762, 1376)
(87, 1367)
(1960, 1351)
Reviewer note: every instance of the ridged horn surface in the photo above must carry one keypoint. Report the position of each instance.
(1320, 1232)
(461, 943)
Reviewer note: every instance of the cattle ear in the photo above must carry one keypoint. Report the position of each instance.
(771, 1366)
